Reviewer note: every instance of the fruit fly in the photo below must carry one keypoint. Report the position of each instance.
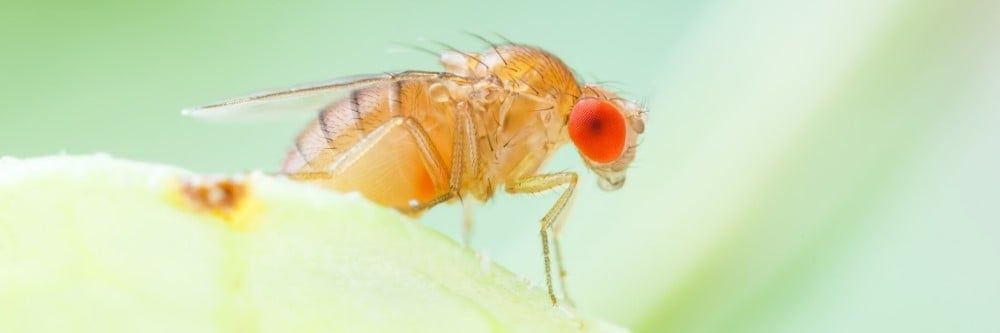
(411, 140)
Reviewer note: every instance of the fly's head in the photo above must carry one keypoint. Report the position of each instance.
(605, 128)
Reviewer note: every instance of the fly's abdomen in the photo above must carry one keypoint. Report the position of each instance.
(388, 169)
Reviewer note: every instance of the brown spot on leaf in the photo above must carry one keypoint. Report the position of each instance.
(223, 197)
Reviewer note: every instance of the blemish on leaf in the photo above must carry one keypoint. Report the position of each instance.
(228, 199)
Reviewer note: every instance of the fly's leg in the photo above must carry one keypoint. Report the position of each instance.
(433, 162)
(562, 268)
(466, 223)
(464, 163)
(540, 183)
(464, 156)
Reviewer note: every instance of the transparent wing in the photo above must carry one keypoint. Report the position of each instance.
(310, 97)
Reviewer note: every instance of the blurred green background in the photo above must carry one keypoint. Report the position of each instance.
(808, 166)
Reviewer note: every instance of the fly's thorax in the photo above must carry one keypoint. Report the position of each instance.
(521, 102)
(517, 69)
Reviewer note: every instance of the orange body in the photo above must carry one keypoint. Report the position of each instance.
(517, 104)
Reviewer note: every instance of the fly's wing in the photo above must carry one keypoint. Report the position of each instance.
(309, 97)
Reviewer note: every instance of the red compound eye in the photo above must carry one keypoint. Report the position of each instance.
(598, 129)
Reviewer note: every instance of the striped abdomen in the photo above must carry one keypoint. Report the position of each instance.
(391, 172)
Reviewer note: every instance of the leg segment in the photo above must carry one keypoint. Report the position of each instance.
(464, 163)
(467, 223)
(562, 269)
(540, 183)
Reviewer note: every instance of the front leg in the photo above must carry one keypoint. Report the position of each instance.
(540, 183)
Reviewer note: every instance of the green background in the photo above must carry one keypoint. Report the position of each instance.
(808, 166)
